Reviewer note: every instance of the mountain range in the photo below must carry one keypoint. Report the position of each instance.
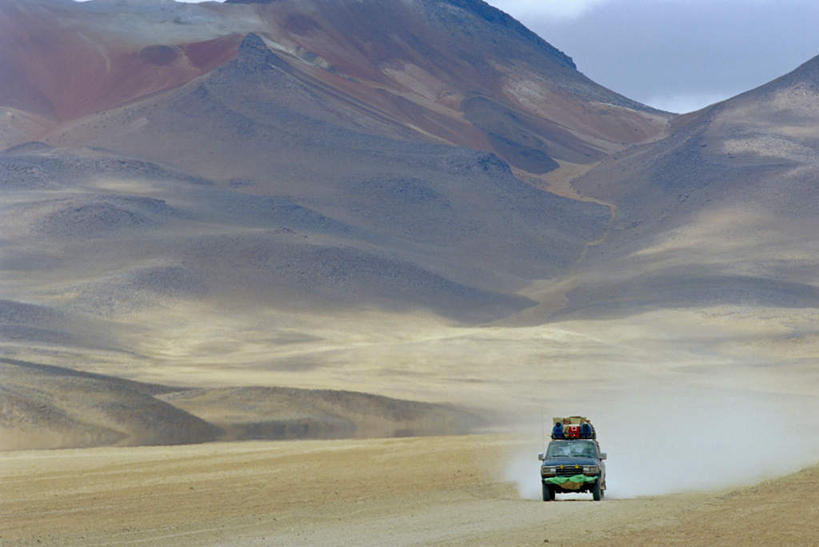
(255, 193)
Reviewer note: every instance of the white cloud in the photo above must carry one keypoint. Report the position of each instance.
(686, 102)
(557, 9)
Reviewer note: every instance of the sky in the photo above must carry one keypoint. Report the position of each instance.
(676, 55)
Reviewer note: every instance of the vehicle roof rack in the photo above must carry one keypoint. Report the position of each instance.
(572, 427)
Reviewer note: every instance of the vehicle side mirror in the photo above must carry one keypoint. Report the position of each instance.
(602, 455)
(540, 456)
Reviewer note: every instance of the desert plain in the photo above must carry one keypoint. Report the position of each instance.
(411, 491)
(703, 447)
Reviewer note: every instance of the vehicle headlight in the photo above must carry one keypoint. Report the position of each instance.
(546, 471)
(591, 469)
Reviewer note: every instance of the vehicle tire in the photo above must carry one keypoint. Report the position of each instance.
(597, 491)
(548, 492)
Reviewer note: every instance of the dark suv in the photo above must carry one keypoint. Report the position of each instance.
(573, 465)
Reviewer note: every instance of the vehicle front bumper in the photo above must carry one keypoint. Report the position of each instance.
(573, 483)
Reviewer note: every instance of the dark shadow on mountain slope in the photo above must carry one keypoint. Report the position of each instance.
(525, 142)
(284, 269)
(673, 290)
(287, 413)
(103, 217)
(51, 407)
(33, 325)
(41, 167)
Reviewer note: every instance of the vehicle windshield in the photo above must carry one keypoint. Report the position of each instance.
(571, 449)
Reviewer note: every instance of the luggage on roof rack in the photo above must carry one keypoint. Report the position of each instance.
(573, 427)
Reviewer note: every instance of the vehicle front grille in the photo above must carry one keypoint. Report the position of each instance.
(569, 471)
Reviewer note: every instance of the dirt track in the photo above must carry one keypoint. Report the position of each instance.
(445, 490)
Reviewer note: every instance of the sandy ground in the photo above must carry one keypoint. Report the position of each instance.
(436, 490)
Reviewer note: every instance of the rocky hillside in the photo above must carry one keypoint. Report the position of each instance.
(294, 155)
(723, 211)
(454, 71)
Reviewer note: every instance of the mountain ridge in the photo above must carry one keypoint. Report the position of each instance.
(737, 177)
(413, 198)
(416, 76)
